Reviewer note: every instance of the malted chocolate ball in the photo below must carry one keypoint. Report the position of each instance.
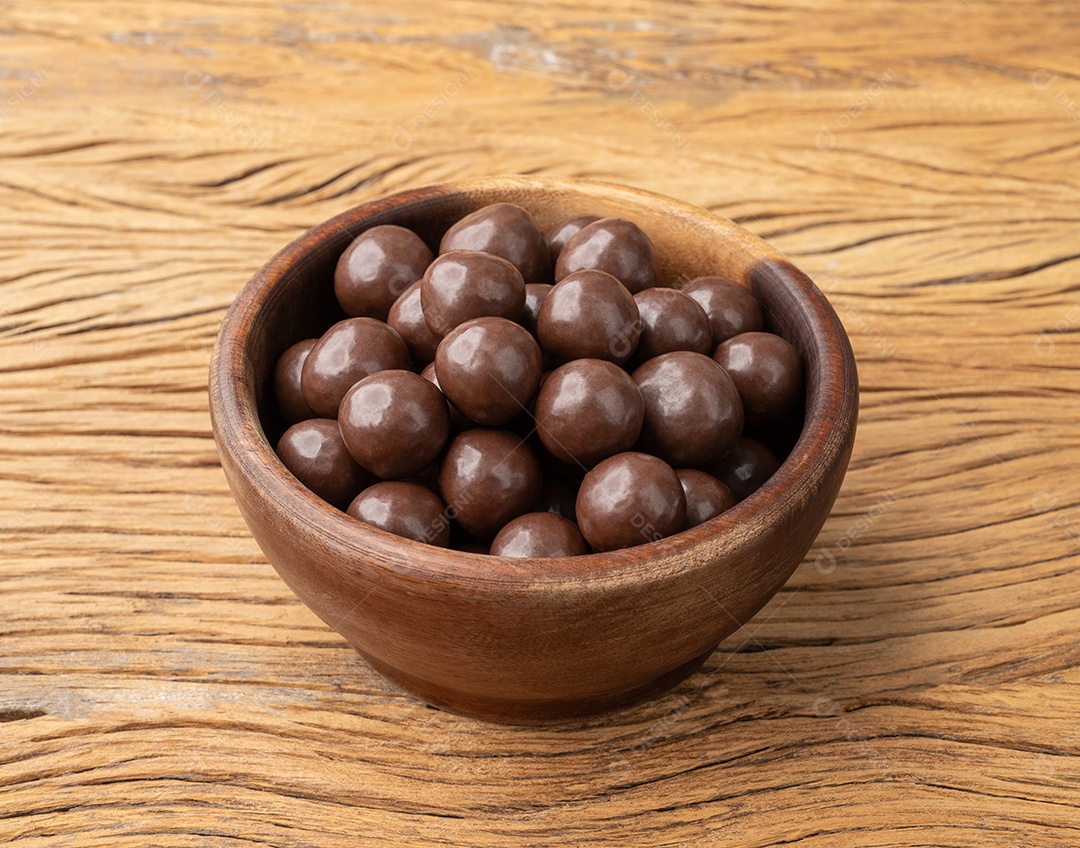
(315, 453)
(587, 410)
(535, 293)
(404, 509)
(767, 371)
(395, 423)
(706, 497)
(589, 315)
(612, 245)
(539, 534)
(505, 230)
(560, 234)
(407, 319)
(287, 392)
(630, 499)
(347, 353)
(692, 409)
(458, 422)
(670, 321)
(377, 268)
(489, 368)
(465, 284)
(745, 467)
(487, 478)
(732, 309)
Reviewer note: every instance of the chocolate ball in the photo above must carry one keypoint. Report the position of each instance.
(706, 497)
(630, 499)
(395, 423)
(557, 497)
(377, 267)
(489, 368)
(505, 230)
(535, 293)
(407, 319)
(767, 372)
(612, 245)
(671, 320)
(732, 309)
(404, 509)
(589, 315)
(347, 353)
(745, 467)
(315, 453)
(692, 410)
(539, 534)
(560, 234)
(458, 422)
(588, 410)
(464, 284)
(487, 478)
(287, 392)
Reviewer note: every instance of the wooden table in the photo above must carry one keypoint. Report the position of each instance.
(918, 680)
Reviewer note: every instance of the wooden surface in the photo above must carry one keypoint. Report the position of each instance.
(917, 681)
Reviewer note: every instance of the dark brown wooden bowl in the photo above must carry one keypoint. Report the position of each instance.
(531, 640)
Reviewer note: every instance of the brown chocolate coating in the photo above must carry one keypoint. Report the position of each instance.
(732, 309)
(287, 393)
(560, 234)
(671, 320)
(539, 534)
(745, 467)
(489, 368)
(458, 422)
(535, 293)
(706, 497)
(347, 353)
(465, 284)
(395, 423)
(588, 410)
(630, 499)
(487, 478)
(692, 410)
(558, 497)
(407, 319)
(404, 509)
(315, 453)
(589, 315)
(505, 230)
(767, 372)
(612, 245)
(377, 267)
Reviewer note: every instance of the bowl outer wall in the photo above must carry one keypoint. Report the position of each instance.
(461, 626)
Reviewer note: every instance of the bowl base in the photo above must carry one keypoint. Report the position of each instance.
(517, 711)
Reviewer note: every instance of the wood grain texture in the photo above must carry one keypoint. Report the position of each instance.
(918, 680)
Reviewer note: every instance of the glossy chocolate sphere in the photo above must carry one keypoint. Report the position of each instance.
(505, 230)
(535, 293)
(315, 453)
(732, 309)
(670, 321)
(395, 423)
(560, 234)
(615, 246)
(706, 497)
(377, 268)
(458, 422)
(745, 467)
(587, 410)
(589, 315)
(692, 410)
(407, 319)
(464, 284)
(404, 509)
(347, 353)
(630, 499)
(287, 391)
(489, 368)
(539, 534)
(487, 478)
(767, 372)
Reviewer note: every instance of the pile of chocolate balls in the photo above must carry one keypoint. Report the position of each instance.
(532, 395)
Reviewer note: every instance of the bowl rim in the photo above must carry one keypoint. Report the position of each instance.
(829, 424)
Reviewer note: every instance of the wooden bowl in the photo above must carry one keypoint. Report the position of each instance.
(516, 640)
